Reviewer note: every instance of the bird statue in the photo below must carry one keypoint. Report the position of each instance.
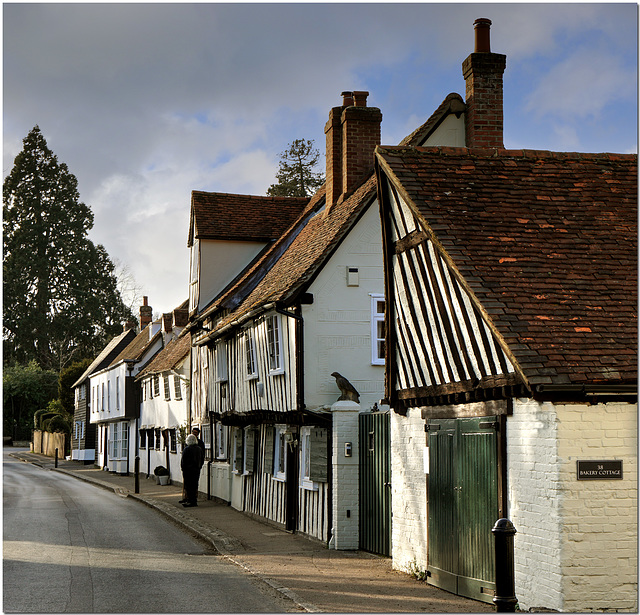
(347, 390)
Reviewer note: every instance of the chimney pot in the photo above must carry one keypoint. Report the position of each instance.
(360, 99)
(482, 27)
(347, 99)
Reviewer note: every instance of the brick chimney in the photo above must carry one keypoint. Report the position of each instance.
(352, 132)
(146, 313)
(483, 71)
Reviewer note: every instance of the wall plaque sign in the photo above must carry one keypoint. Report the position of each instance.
(598, 470)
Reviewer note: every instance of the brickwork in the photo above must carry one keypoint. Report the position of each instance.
(346, 481)
(576, 547)
(484, 117)
(409, 492)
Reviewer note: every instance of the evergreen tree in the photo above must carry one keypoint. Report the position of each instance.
(61, 301)
(296, 175)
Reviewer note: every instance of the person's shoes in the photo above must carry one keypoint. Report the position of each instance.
(182, 501)
(189, 504)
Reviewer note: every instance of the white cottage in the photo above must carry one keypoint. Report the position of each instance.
(115, 397)
(164, 408)
(511, 285)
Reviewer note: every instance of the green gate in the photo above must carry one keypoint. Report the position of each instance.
(375, 482)
(463, 505)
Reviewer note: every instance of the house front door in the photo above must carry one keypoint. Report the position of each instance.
(463, 505)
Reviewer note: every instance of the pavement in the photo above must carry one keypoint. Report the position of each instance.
(313, 577)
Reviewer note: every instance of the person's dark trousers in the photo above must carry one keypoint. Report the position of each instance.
(191, 487)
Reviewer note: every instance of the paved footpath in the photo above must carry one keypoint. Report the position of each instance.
(315, 578)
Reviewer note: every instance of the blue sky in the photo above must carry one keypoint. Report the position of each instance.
(147, 102)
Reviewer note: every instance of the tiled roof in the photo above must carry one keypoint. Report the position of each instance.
(318, 236)
(107, 354)
(169, 357)
(215, 215)
(547, 242)
(136, 349)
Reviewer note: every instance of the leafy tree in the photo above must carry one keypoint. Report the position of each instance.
(68, 377)
(25, 389)
(296, 175)
(61, 300)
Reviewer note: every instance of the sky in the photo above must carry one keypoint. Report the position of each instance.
(147, 102)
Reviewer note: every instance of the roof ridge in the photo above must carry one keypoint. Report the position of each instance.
(470, 152)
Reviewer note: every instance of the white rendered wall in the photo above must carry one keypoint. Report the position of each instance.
(534, 503)
(337, 326)
(220, 262)
(408, 492)
(576, 546)
(451, 133)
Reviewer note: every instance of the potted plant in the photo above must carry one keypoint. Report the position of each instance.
(162, 475)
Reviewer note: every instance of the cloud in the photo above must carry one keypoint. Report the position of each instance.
(581, 86)
(146, 102)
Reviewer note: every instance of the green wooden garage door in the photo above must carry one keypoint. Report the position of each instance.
(463, 505)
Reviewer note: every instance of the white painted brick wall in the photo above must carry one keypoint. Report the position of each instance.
(599, 544)
(346, 479)
(409, 492)
(576, 545)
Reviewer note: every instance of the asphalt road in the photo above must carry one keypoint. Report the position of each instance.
(70, 547)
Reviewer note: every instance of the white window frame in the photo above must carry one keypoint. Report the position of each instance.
(280, 449)
(102, 408)
(177, 387)
(250, 361)
(274, 344)
(305, 460)
(222, 435)
(376, 318)
(167, 387)
(221, 362)
(117, 393)
(238, 440)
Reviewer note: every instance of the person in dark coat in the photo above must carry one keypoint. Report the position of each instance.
(190, 464)
(196, 432)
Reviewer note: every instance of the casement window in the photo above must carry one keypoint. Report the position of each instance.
(167, 388)
(117, 392)
(280, 453)
(102, 398)
(158, 438)
(156, 386)
(119, 440)
(377, 330)
(83, 391)
(222, 434)
(143, 438)
(250, 355)
(313, 457)
(173, 441)
(109, 396)
(205, 434)
(221, 362)
(177, 388)
(249, 450)
(238, 451)
(124, 439)
(274, 345)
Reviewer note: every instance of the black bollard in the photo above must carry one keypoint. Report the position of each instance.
(56, 459)
(505, 598)
(137, 475)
